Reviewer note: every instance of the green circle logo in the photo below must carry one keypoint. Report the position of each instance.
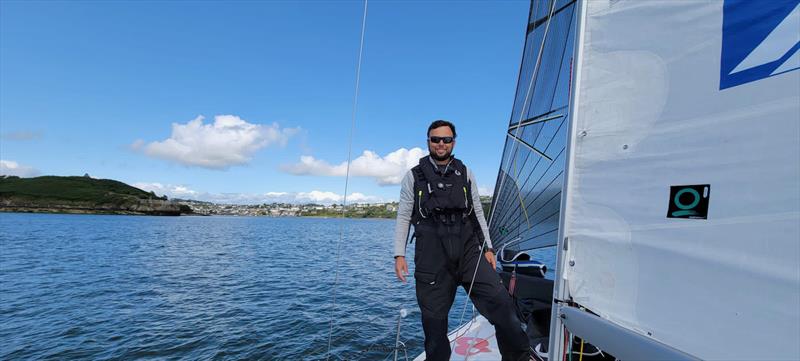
(694, 203)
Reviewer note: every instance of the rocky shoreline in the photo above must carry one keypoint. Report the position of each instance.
(149, 207)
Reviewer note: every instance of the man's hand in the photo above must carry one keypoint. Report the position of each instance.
(401, 268)
(490, 257)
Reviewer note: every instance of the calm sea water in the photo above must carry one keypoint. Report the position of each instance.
(131, 287)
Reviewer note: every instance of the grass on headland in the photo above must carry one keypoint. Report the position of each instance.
(83, 189)
(54, 194)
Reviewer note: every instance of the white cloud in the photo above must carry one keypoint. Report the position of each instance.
(386, 170)
(319, 196)
(229, 141)
(315, 196)
(10, 167)
(331, 197)
(171, 191)
(363, 198)
(485, 190)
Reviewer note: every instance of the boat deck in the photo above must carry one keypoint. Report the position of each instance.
(474, 340)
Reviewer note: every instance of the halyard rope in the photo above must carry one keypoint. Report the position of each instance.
(347, 176)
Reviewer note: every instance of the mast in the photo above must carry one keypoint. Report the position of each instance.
(560, 293)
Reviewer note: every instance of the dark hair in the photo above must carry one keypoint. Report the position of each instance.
(442, 123)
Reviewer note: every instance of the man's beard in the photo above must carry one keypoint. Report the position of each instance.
(436, 157)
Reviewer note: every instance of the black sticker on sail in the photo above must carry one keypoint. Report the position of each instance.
(689, 201)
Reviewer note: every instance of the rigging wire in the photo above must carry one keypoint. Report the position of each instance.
(525, 106)
(347, 176)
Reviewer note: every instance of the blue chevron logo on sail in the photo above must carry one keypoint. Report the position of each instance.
(759, 40)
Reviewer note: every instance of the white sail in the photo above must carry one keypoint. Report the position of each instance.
(677, 93)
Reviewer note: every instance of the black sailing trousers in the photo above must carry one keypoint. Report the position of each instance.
(445, 256)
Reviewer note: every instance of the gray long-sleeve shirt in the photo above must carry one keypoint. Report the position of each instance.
(406, 206)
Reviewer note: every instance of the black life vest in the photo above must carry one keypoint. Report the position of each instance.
(441, 193)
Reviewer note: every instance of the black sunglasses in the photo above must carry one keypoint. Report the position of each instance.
(447, 140)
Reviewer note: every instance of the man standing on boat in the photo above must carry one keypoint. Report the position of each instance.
(440, 198)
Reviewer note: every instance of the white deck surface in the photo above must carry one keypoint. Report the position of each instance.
(473, 341)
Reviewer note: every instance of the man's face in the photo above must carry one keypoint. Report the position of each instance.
(441, 151)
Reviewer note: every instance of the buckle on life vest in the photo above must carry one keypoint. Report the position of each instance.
(448, 218)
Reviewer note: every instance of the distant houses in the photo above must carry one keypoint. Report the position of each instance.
(358, 210)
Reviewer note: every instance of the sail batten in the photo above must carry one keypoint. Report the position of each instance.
(538, 119)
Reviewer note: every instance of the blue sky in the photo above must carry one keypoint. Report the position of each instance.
(251, 101)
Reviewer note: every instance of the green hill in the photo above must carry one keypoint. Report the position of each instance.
(80, 195)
